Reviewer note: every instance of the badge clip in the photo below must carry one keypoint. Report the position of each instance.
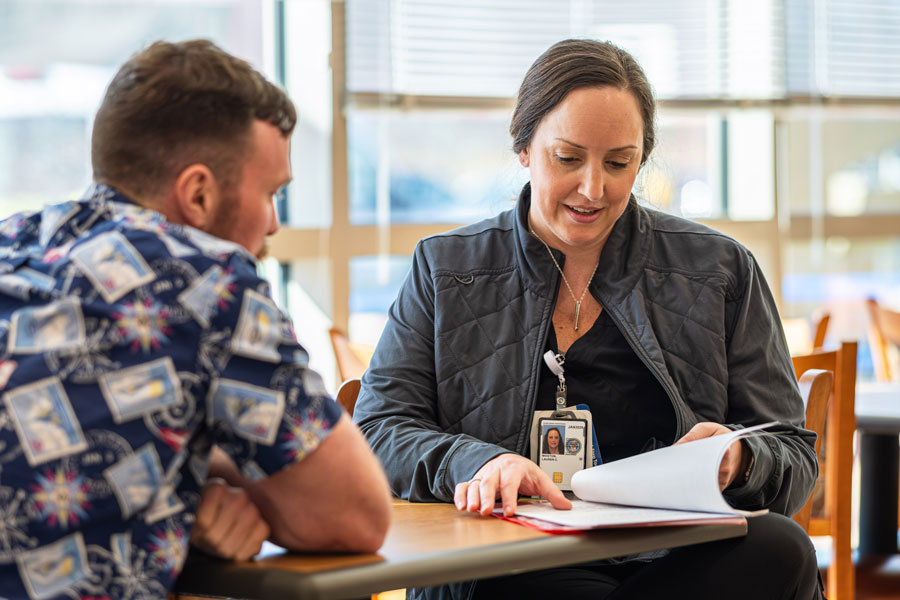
(555, 363)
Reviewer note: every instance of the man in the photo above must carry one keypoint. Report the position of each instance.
(136, 336)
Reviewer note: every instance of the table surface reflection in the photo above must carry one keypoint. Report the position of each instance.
(428, 544)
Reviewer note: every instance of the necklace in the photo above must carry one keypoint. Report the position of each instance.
(566, 281)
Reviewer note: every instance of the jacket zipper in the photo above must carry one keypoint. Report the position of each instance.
(642, 354)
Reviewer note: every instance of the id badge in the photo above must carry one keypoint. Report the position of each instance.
(562, 448)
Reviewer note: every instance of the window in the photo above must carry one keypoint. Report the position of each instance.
(745, 139)
(56, 59)
(778, 124)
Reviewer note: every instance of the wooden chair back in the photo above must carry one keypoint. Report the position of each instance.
(347, 393)
(884, 330)
(352, 357)
(820, 327)
(804, 335)
(834, 520)
(815, 387)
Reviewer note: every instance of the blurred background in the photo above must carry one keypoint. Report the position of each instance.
(779, 124)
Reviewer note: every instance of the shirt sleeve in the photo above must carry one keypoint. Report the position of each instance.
(265, 406)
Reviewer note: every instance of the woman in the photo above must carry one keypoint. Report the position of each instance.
(668, 330)
(552, 442)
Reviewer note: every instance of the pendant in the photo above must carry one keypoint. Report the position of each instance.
(577, 310)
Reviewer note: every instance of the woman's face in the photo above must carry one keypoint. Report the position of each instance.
(583, 158)
(553, 439)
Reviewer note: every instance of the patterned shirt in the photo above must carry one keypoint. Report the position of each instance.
(131, 345)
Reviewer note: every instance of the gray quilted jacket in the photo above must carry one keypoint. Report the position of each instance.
(454, 378)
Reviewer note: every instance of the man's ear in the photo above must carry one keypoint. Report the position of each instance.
(523, 157)
(197, 196)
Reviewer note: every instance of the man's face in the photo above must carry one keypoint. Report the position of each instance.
(248, 214)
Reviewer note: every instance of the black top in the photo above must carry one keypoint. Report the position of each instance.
(630, 409)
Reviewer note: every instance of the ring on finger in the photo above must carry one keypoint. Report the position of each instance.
(475, 480)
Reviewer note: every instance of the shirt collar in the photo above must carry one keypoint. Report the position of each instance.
(105, 193)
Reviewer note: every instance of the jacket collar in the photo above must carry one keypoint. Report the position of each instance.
(621, 262)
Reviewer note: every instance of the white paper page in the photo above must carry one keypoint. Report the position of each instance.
(586, 515)
(683, 477)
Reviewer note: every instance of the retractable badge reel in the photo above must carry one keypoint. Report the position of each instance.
(555, 362)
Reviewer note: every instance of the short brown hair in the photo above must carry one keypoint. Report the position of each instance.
(175, 104)
(573, 64)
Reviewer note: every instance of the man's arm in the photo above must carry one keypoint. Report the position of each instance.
(335, 499)
(227, 523)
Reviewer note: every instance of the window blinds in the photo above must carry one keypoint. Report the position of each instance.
(843, 47)
(689, 48)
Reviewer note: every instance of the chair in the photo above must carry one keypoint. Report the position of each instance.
(815, 387)
(347, 393)
(352, 357)
(805, 336)
(346, 397)
(884, 330)
(840, 422)
(820, 327)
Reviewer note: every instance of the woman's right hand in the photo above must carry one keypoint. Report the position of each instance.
(506, 476)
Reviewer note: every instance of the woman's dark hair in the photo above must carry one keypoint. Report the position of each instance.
(573, 64)
(545, 449)
(175, 104)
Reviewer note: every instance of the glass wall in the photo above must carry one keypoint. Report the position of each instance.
(779, 123)
(56, 59)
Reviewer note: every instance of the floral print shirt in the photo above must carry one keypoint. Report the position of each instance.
(128, 347)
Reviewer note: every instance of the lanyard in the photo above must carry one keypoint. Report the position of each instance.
(555, 363)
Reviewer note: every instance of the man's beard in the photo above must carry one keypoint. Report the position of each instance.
(225, 222)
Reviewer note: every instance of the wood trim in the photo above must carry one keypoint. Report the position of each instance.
(397, 101)
(862, 226)
(340, 200)
(841, 578)
(839, 427)
(344, 243)
(359, 240)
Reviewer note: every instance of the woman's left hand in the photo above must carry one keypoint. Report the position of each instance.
(732, 462)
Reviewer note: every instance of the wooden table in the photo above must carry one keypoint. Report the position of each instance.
(429, 544)
(878, 424)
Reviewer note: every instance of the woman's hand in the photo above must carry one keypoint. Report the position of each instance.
(735, 459)
(506, 476)
(228, 524)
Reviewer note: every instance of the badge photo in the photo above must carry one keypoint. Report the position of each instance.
(553, 439)
(563, 451)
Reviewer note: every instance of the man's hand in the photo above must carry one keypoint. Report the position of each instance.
(735, 459)
(506, 476)
(227, 524)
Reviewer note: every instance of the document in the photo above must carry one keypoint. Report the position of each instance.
(676, 485)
